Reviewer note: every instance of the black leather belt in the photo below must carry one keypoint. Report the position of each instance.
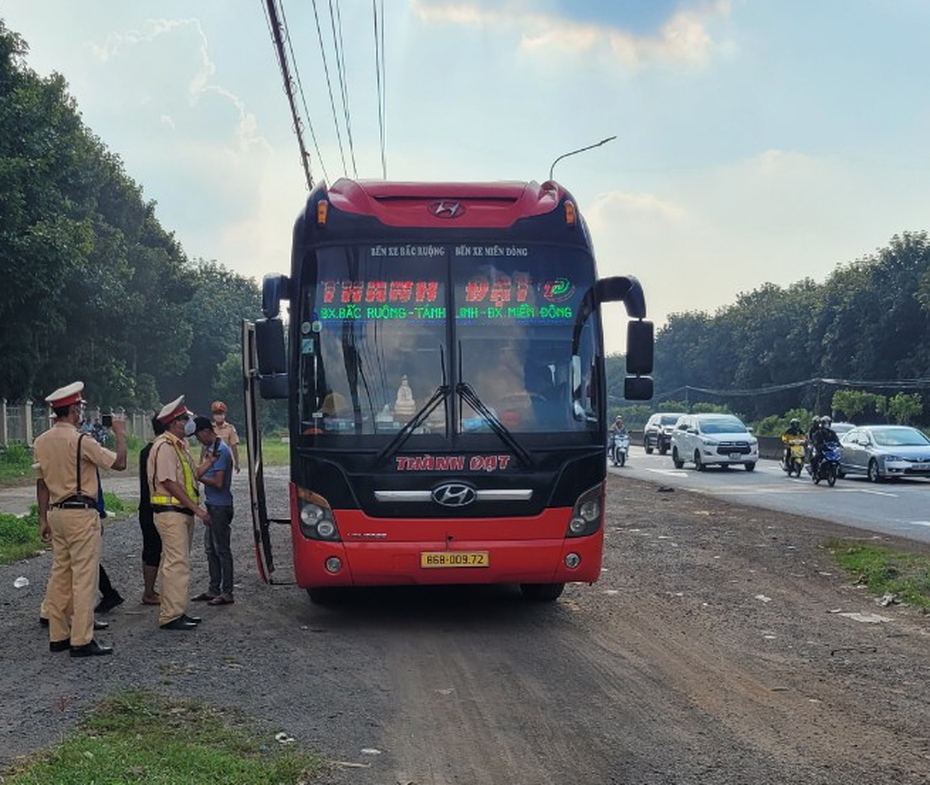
(170, 508)
(76, 503)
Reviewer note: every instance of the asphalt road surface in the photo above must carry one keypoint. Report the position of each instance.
(720, 647)
(900, 508)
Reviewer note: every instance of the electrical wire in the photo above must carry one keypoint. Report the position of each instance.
(329, 86)
(380, 77)
(276, 29)
(335, 20)
(303, 97)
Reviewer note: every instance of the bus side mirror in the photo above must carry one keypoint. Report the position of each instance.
(274, 289)
(640, 345)
(637, 388)
(272, 358)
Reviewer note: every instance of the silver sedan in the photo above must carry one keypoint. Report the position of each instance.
(885, 452)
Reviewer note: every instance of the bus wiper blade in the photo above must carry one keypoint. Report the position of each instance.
(441, 393)
(467, 393)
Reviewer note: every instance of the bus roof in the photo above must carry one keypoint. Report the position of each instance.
(444, 205)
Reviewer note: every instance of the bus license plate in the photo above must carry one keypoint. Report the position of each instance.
(455, 559)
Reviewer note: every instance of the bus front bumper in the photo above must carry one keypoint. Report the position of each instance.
(320, 564)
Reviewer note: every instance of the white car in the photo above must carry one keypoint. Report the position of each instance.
(713, 439)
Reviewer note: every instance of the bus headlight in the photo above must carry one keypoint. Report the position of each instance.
(316, 517)
(587, 513)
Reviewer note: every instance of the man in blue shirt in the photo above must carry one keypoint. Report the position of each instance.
(215, 472)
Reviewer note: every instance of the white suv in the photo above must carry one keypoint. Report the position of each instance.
(720, 439)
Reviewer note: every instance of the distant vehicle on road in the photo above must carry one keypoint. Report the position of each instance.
(885, 452)
(707, 439)
(657, 435)
(842, 428)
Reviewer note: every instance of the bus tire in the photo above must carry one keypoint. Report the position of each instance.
(541, 592)
(322, 595)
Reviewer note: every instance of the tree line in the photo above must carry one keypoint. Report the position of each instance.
(864, 331)
(94, 287)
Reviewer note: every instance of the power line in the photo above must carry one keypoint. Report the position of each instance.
(379, 76)
(275, 25)
(303, 97)
(329, 85)
(891, 384)
(335, 21)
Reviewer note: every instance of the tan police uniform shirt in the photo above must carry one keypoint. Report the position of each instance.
(227, 432)
(163, 464)
(55, 453)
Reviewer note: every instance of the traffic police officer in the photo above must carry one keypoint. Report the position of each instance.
(225, 430)
(175, 503)
(66, 490)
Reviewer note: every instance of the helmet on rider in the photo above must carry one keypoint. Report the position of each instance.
(825, 421)
(795, 422)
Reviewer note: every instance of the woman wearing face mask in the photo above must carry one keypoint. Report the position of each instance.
(175, 504)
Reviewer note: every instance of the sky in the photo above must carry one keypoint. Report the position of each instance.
(756, 140)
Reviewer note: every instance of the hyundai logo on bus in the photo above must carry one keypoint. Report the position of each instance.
(447, 209)
(454, 494)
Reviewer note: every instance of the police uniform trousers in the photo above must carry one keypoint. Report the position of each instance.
(177, 532)
(72, 585)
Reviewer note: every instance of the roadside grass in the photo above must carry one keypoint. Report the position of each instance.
(884, 571)
(140, 736)
(15, 464)
(19, 536)
(275, 452)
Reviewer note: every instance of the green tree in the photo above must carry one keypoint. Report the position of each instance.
(905, 407)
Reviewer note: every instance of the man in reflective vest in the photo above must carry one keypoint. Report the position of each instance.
(66, 490)
(175, 503)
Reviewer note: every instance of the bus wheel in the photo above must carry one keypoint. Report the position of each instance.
(541, 592)
(322, 595)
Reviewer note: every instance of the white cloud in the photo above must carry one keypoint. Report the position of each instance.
(778, 217)
(683, 38)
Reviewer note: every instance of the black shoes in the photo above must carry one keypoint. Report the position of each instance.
(92, 649)
(180, 623)
(60, 645)
(109, 602)
(192, 619)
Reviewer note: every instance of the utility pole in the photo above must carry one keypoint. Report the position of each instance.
(276, 32)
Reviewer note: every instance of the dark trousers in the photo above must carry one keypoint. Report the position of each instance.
(216, 538)
(151, 539)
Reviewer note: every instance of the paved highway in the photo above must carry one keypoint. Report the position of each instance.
(901, 508)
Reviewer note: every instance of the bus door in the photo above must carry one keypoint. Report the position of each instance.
(259, 507)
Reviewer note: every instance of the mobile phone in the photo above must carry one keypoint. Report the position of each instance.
(106, 420)
(216, 447)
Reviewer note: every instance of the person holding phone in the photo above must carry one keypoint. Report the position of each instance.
(215, 472)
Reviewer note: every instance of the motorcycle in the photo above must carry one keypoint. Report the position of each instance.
(618, 449)
(829, 466)
(795, 461)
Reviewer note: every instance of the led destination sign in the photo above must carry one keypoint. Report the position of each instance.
(483, 297)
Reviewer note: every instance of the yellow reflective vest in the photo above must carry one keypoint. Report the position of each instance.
(190, 485)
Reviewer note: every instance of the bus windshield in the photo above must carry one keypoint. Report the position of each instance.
(494, 329)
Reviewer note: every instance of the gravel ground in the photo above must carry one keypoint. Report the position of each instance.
(715, 649)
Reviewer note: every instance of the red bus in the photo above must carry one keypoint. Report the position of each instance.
(444, 377)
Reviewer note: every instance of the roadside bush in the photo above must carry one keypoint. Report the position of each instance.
(19, 536)
(15, 462)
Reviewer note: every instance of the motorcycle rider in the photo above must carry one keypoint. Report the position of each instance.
(616, 431)
(821, 436)
(792, 433)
